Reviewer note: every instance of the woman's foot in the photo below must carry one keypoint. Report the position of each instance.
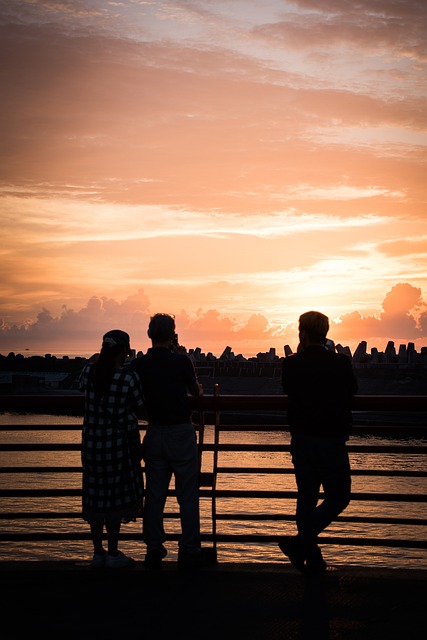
(120, 561)
(98, 560)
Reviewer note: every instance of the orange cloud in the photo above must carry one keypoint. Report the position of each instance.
(127, 122)
(404, 318)
(367, 26)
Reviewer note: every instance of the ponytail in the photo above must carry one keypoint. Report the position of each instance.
(103, 370)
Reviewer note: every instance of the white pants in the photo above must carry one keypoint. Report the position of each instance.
(167, 450)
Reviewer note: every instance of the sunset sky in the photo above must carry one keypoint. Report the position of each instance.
(235, 163)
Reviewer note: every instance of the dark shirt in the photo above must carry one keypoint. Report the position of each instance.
(165, 378)
(320, 385)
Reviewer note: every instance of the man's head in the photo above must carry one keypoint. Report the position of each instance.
(161, 328)
(313, 327)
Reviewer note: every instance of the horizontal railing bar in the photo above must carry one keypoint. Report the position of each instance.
(269, 448)
(401, 473)
(220, 537)
(350, 541)
(358, 496)
(415, 522)
(51, 427)
(39, 446)
(351, 448)
(280, 403)
(63, 515)
(402, 430)
(382, 431)
(356, 429)
(40, 493)
(40, 427)
(220, 493)
(258, 517)
(71, 404)
(404, 473)
(40, 469)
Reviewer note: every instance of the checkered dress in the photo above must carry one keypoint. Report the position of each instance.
(112, 478)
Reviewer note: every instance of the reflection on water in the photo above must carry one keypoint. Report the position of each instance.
(252, 552)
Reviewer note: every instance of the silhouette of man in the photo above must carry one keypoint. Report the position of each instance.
(170, 444)
(320, 385)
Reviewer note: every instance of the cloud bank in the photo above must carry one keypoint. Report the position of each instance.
(403, 319)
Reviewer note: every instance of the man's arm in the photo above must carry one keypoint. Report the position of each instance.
(285, 376)
(196, 389)
(193, 385)
(351, 376)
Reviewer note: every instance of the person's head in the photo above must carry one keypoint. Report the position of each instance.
(115, 342)
(313, 328)
(115, 347)
(161, 329)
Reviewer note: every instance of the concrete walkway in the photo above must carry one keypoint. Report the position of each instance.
(71, 601)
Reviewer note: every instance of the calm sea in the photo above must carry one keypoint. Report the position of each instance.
(268, 552)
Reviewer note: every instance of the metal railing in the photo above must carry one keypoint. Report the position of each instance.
(227, 414)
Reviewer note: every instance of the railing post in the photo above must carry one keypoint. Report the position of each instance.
(215, 462)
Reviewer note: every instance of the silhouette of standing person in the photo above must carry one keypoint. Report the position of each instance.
(170, 445)
(112, 483)
(320, 385)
